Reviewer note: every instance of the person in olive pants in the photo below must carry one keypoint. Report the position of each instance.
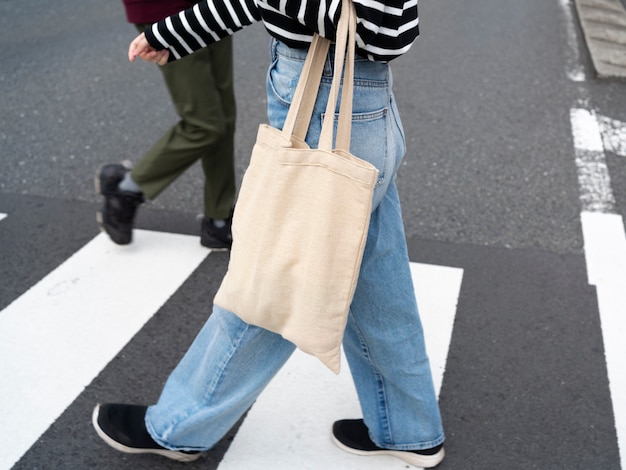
(201, 89)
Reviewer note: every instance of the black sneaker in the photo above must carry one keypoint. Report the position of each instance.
(118, 212)
(123, 428)
(216, 238)
(352, 436)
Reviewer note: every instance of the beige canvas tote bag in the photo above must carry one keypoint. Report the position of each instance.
(302, 216)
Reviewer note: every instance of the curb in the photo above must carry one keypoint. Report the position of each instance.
(604, 27)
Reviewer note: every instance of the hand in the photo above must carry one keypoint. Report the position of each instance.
(142, 49)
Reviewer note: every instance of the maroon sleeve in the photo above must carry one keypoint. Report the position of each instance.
(151, 11)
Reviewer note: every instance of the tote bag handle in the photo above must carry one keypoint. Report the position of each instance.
(301, 109)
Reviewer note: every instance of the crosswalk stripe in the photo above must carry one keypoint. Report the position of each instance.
(437, 290)
(289, 425)
(57, 337)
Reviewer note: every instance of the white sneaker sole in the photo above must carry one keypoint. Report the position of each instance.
(170, 454)
(417, 460)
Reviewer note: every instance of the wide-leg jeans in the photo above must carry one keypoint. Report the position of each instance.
(230, 362)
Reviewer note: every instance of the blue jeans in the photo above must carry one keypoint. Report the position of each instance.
(230, 362)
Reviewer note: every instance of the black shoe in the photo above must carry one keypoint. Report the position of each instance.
(216, 238)
(352, 436)
(118, 212)
(123, 428)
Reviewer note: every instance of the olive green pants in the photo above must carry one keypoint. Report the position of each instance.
(201, 88)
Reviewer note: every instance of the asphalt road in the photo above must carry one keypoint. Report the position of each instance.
(490, 184)
(484, 94)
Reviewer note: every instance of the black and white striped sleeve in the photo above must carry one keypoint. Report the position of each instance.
(386, 29)
(203, 24)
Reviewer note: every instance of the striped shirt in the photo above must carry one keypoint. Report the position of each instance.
(386, 29)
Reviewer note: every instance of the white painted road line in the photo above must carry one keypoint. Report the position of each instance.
(605, 250)
(2, 216)
(613, 135)
(574, 70)
(289, 425)
(58, 336)
(605, 253)
(594, 182)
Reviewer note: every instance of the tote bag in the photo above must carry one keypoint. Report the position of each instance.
(302, 215)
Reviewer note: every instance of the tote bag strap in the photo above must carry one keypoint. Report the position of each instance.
(301, 109)
(344, 126)
(302, 104)
(345, 37)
